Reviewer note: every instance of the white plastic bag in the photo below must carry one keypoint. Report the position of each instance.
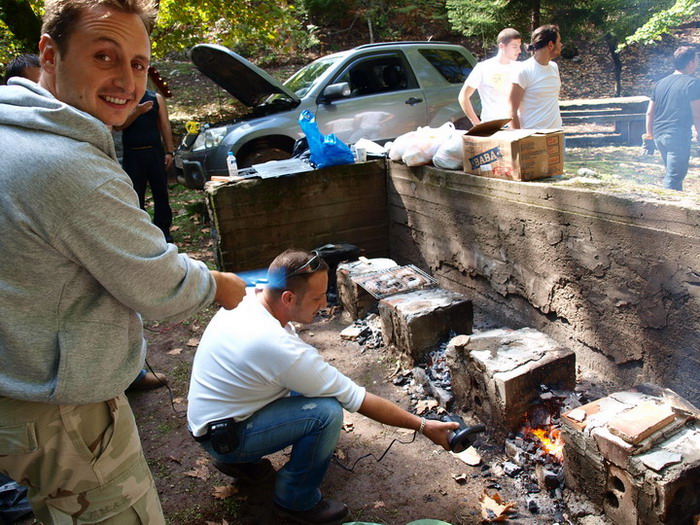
(425, 143)
(450, 154)
(399, 145)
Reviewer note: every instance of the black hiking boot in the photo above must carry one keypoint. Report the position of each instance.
(325, 511)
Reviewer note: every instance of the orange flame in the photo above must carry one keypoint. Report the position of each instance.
(550, 441)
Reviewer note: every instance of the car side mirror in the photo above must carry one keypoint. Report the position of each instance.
(334, 92)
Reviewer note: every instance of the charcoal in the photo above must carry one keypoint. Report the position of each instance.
(511, 469)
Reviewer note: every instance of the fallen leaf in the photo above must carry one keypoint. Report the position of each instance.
(492, 508)
(379, 504)
(174, 351)
(193, 342)
(425, 405)
(224, 491)
(174, 228)
(470, 456)
(179, 400)
(348, 427)
(174, 459)
(340, 454)
(200, 472)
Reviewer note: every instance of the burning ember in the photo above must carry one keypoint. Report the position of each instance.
(549, 439)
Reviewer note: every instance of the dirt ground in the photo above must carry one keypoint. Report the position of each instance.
(413, 481)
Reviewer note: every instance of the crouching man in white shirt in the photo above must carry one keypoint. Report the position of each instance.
(257, 388)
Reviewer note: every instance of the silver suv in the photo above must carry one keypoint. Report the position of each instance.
(374, 91)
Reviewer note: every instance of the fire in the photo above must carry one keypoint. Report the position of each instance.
(550, 440)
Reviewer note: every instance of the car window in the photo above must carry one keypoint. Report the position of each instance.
(302, 81)
(451, 64)
(379, 74)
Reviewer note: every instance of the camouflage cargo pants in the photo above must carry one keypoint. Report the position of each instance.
(82, 463)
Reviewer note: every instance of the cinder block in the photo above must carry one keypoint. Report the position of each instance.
(498, 373)
(652, 480)
(355, 300)
(415, 322)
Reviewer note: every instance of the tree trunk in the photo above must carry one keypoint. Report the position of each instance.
(617, 63)
(535, 15)
(24, 24)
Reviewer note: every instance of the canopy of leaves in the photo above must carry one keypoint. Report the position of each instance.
(682, 11)
(20, 27)
(608, 20)
(266, 27)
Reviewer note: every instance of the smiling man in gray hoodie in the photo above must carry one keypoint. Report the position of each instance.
(80, 264)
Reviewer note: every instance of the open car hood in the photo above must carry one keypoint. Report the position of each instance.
(244, 80)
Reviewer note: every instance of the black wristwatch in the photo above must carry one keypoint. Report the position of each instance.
(170, 153)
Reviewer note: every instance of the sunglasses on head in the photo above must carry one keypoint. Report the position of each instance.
(310, 266)
(279, 278)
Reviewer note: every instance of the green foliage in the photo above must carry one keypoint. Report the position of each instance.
(662, 22)
(269, 28)
(483, 18)
(19, 27)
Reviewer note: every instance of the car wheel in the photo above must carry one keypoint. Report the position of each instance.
(262, 152)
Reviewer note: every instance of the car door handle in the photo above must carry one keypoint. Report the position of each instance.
(413, 101)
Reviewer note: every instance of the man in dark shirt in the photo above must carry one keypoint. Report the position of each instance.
(673, 109)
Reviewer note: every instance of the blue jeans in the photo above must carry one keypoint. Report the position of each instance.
(310, 425)
(675, 152)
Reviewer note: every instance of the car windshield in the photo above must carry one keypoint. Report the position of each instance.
(302, 81)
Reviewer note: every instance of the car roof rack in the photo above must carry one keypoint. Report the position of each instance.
(403, 42)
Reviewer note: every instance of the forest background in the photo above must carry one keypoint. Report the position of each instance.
(277, 32)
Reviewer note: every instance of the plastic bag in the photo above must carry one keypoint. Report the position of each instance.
(326, 150)
(450, 154)
(399, 145)
(425, 143)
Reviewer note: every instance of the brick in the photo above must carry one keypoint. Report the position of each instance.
(613, 448)
(497, 373)
(355, 300)
(641, 421)
(654, 481)
(414, 323)
(620, 500)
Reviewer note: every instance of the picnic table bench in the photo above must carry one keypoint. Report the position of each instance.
(628, 114)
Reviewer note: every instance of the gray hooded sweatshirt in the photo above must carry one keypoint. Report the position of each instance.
(79, 261)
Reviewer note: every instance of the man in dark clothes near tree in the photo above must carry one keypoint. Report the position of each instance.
(144, 135)
(673, 109)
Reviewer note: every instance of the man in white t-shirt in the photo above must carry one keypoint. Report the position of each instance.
(257, 388)
(534, 94)
(492, 79)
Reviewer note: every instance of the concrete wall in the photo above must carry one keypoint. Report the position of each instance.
(615, 278)
(255, 220)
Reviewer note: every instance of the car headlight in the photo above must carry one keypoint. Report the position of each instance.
(211, 138)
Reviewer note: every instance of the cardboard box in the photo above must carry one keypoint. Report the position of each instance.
(517, 154)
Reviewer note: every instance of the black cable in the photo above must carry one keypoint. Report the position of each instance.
(350, 469)
(170, 392)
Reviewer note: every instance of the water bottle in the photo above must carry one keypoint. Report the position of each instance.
(232, 165)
